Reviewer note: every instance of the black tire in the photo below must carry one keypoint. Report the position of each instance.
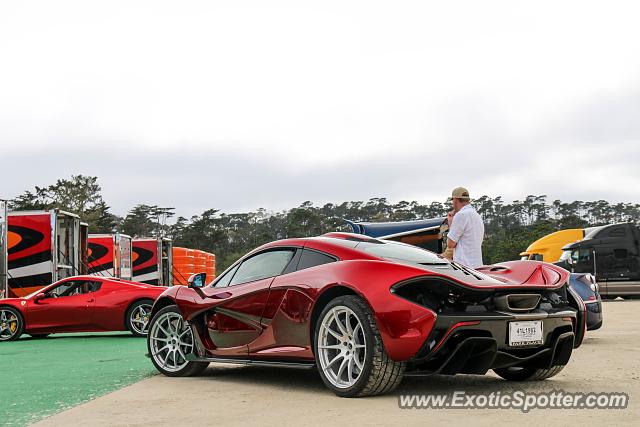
(130, 310)
(528, 373)
(19, 328)
(595, 327)
(190, 368)
(380, 374)
(39, 336)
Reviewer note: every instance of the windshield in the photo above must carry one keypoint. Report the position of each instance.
(566, 256)
(402, 252)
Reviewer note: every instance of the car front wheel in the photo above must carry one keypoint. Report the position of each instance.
(169, 341)
(349, 351)
(11, 324)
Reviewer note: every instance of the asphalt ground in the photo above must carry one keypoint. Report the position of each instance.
(39, 377)
(608, 361)
(105, 379)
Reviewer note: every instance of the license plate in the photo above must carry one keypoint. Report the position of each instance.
(525, 333)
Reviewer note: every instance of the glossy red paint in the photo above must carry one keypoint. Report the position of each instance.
(527, 273)
(274, 317)
(451, 329)
(101, 310)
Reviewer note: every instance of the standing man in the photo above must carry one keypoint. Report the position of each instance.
(466, 231)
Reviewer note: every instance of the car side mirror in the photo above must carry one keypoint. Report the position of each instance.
(197, 280)
(39, 297)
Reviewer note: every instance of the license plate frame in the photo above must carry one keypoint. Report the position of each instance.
(526, 333)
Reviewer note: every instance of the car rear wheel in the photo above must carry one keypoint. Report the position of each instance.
(11, 324)
(528, 373)
(138, 317)
(349, 351)
(169, 341)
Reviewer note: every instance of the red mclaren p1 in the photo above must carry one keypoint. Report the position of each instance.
(366, 312)
(79, 304)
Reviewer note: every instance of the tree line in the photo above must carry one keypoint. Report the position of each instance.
(509, 226)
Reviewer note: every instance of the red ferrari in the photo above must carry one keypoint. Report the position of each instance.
(79, 304)
(364, 312)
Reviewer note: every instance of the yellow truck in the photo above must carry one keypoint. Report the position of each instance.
(549, 247)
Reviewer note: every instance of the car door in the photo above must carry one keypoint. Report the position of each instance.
(243, 292)
(287, 313)
(66, 307)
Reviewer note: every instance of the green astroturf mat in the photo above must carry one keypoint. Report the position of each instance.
(39, 377)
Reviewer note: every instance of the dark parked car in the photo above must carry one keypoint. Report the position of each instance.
(586, 286)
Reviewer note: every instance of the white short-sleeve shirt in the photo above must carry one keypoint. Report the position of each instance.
(467, 229)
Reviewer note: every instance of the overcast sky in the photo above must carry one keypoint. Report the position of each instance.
(237, 105)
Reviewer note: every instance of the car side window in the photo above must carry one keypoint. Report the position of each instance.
(265, 264)
(311, 258)
(92, 286)
(65, 289)
(223, 281)
(74, 287)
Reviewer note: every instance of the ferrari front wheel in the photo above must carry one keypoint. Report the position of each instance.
(11, 324)
(349, 351)
(169, 341)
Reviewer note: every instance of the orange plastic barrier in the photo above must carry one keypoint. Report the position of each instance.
(177, 251)
(183, 260)
(190, 261)
(183, 265)
(211, 266)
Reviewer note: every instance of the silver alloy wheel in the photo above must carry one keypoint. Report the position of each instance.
(170, 341)
(139, 318)
(341, 347)
(9, 324)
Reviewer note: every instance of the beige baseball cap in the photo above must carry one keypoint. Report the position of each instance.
(460, 193)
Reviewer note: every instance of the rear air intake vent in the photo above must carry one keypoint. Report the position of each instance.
(517, 302)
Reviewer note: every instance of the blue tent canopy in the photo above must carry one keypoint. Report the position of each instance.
(395, 229)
